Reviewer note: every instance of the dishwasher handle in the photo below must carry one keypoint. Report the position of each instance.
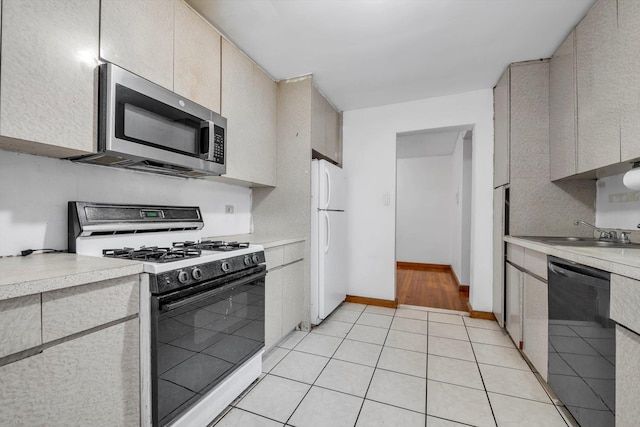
(582, 274)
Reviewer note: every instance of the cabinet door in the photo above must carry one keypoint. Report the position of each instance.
(22, 394)
(501, 123)
(273, 308)
(249, 102)
(332, 132)
(94, 380)
(513, 315)
(599, 88)
(265, 128)
(498, 254)
(627, 377)
(318, 122)
(292, 296)
(196, 58)
(47, 80)
(138, 36)
(535, 323)
(563, 111)
(629, 33)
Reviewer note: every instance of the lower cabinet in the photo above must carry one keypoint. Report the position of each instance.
(535, 323)
(292, 296)
(284, 294)
(627, 377)
(526, 305)
(513, 315)
(284, 297)
(86, 372)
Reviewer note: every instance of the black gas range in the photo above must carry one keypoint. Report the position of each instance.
(205, 315)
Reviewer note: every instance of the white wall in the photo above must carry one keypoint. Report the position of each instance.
(369, 138)
(616, 205)
(34, 192)
(464, 274)
(425, 209)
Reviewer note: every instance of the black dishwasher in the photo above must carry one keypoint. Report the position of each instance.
(582, 346)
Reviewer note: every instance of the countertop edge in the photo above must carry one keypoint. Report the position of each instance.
(23, 285)
(616, 261)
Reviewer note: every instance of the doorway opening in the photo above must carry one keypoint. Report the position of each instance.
(433, 217)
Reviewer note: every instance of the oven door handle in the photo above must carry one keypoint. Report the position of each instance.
(200, 296)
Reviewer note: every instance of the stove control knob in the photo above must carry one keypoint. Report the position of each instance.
(255, 259)
(225, 266)
(183, 276)
(247, 260)
(196, 273)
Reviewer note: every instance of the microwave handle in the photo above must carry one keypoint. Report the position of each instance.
(207, 135)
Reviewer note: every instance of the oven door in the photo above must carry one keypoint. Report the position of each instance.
(199, 336)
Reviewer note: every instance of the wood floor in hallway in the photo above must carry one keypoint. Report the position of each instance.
(432, 287)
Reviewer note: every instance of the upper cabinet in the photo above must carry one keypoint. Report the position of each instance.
(166, 42)
(249, 102)
(47, 75)
(196, 61)
(595, 93)
(562, 110)
(138, 36)
(598, 86)
(501, 124)
(325, 128)
(629, 33)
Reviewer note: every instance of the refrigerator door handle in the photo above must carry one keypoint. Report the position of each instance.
(326, 172)
(328, 240)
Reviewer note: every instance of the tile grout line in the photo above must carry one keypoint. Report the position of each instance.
(325, 366)
(481, 377)
(364, 399)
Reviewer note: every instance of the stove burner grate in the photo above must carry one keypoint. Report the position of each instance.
(153, 253)
(212, 245)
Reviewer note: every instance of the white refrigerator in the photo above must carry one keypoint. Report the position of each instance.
(328, 239)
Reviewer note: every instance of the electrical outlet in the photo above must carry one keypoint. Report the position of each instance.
(386, 199)
(228, 209)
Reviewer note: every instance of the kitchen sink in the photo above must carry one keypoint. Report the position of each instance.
(581, 241)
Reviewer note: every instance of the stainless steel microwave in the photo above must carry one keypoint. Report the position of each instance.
(146, 127)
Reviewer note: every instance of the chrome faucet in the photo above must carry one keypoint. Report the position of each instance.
(604, 234)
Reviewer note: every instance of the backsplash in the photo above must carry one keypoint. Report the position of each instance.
(34, 192)
(616, 205)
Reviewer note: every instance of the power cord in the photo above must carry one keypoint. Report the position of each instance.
(48, 251)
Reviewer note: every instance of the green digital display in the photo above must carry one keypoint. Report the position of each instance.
(151, 214)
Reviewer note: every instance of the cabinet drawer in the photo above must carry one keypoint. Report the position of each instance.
(293, 252)
(515, 254)
(536, 263)
(274, 257)
(20, 324)
(71, 310)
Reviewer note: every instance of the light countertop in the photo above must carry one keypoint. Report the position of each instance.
(27, 275)
(266, 240)
(622, 261)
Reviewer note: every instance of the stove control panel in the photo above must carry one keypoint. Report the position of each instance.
(198, 273)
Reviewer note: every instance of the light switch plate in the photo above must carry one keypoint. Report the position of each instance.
(228, 209)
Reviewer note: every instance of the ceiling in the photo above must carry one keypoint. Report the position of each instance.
(366, 53)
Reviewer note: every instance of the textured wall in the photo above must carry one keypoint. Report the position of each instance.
(538, 206)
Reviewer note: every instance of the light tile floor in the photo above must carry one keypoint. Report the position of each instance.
(369, 366)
